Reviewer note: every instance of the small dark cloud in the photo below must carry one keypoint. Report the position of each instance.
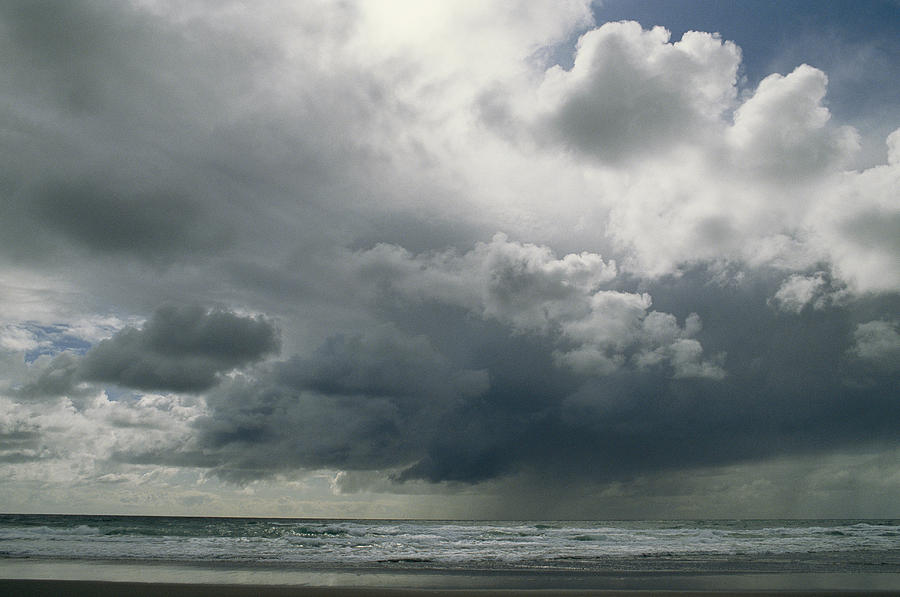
(256, 430)
(154, 226)
(180, 349)
(56, 379)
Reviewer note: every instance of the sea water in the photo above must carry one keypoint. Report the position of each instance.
(777, 554)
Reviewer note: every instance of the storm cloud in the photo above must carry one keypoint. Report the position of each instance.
(330, 249)
(180, 349)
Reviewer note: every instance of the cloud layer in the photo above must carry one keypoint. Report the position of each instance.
(180, 349)
(502, 244)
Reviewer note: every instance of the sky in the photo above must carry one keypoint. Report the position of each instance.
(518, 259)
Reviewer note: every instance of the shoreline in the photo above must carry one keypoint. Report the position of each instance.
(36, 575)
(87, 588)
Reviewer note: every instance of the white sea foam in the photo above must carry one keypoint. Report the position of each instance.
(453, 545)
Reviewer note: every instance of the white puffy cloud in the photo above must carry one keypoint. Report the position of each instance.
(782, 130)
(878, 342)
(798, 291)
(631, 92)
(527, 288)
(619, 322)
(383, 362)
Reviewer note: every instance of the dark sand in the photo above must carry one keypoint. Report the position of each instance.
(77, 588)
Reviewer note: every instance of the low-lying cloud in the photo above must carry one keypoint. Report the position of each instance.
(179, 349)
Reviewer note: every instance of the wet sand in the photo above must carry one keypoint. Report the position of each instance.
(78, 588)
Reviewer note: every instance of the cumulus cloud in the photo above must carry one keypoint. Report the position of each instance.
(382, 363)
(366, 401)
(527, 288)
(691, 276)
(631, 91)
(816, 290)
(878, 342)
(856, 224)
(458, 396)
(670, 342)
(893, 143)
(152, 225)
(57, 442)
(381, 399)
(181, 349)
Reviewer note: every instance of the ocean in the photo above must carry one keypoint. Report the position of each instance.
(696, 554)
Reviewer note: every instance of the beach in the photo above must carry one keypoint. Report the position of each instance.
(123, 555)
(41, 588)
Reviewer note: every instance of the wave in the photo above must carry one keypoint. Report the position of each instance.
(456, 544)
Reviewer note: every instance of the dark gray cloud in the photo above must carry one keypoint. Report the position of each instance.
(156, 226)
(19, 445)
(180, 349)
(316, 164)
(496, 402)
(90, 104)
(362, 402)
